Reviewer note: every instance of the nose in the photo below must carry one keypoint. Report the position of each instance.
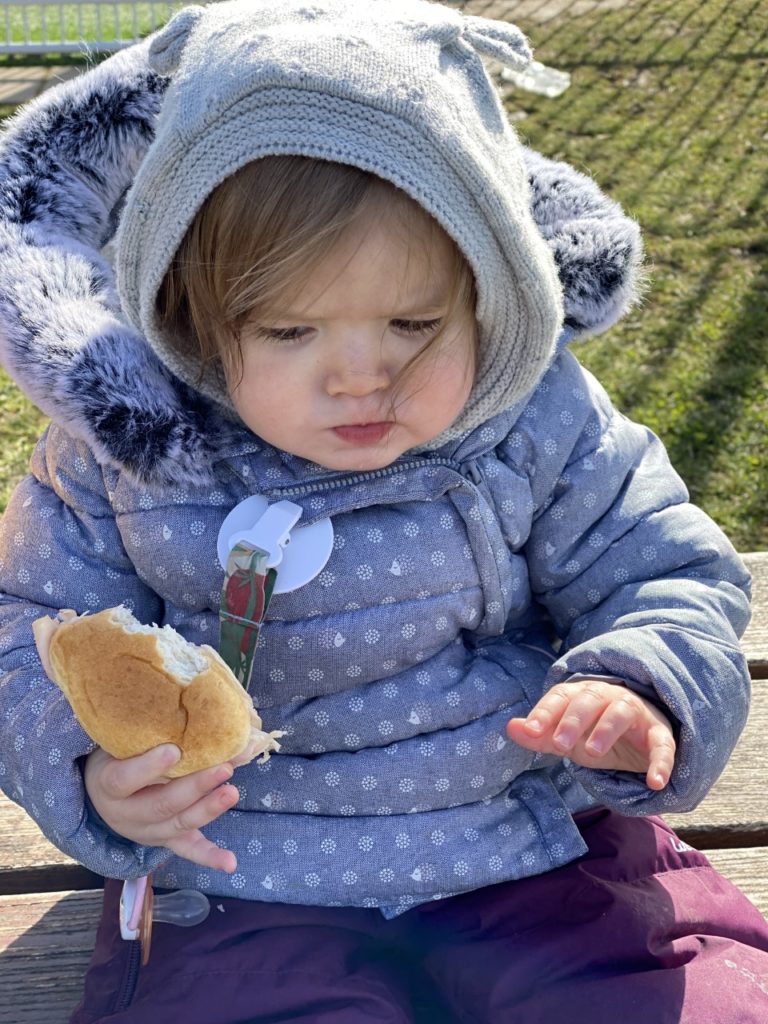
(357, 367)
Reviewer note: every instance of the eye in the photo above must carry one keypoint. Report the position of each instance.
(283, 334)
(422, 327)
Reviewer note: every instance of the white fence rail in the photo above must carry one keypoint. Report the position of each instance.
(97, 26)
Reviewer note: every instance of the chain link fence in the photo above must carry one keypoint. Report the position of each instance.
(95, 26)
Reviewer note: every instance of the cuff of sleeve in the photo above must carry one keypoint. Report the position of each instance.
(126, 858)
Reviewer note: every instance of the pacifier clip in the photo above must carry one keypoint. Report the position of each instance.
(250, 552)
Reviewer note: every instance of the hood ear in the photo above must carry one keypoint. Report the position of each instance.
(166, 48)
(498, 40)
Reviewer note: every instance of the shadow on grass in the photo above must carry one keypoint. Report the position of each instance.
(735, 375)
(46, 60)
(667, 111)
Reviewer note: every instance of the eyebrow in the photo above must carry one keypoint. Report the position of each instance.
(422, 309)
(432, 306)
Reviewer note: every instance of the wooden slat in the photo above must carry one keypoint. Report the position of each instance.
(46, 941)
(755, 640)
(748, 870)
(735, 812)
(29, 863)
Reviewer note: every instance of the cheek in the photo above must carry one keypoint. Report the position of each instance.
(439, 391)
(277, 397)
(456, 371)
(266, 374)
(256, 389)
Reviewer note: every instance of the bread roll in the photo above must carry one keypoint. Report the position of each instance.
(133, 687)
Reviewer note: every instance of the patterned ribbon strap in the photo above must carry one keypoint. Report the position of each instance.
(245, 597)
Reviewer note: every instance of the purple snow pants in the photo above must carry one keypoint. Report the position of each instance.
(640, 930)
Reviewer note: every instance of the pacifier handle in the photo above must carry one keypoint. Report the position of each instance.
(140, 909)
(184, 908)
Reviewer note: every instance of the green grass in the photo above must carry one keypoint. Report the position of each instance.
(668, 110)
(20, 424)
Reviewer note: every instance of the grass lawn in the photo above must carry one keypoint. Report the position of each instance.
(668, 110)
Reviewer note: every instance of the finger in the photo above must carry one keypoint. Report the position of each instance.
(559, 720)
(615, 721)
(189, 819)
(519, 731)
(123, 778)
(547, 712)
(204, 811)
(579, 717)
(195, 847)
(663, 749)
(162, 804)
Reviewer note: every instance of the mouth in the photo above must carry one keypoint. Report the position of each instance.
(363, 433)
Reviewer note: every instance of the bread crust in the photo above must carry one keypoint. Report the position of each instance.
(128, 702)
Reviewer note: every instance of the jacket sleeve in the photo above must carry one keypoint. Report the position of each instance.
(640, 584)
(60, 547)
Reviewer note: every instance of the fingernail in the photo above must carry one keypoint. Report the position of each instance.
(534, 725)
(596, 746)
(170, 755)
(564, 740)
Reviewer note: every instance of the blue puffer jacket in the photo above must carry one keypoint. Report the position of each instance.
(463, 583)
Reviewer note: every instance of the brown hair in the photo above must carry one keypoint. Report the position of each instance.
(258, 237)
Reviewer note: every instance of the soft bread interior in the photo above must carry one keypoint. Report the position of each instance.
(179, 658)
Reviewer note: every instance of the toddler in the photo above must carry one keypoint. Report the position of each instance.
(500, 640)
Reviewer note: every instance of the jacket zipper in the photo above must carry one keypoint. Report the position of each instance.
(352, 480)
(130, 977)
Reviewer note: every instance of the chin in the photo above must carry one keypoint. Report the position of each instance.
(358, 461)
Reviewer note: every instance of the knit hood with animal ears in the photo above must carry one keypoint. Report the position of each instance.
(143, 138)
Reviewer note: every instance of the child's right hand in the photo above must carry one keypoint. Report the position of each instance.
(137, 800)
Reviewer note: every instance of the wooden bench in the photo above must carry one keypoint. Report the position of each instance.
(49, 905)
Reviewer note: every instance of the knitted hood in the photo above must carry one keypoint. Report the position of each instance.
(396, 88)
(66, 163)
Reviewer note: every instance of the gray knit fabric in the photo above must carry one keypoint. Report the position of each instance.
(395, 87)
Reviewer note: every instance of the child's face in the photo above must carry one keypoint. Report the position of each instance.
(324, 379)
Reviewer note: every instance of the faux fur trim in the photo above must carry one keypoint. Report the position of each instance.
(66, 162)
(597, 248)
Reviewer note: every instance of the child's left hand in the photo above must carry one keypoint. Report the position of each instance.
(598, 724)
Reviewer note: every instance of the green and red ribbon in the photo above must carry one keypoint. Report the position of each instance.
(245, 597)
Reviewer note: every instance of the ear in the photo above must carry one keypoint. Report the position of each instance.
(499, 40)
(168, 45)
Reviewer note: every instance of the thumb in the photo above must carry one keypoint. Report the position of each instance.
(123, 778)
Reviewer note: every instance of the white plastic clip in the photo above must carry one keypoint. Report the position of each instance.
(300, 551)
(272, 531)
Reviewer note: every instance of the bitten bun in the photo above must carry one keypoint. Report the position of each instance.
(133, 687)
